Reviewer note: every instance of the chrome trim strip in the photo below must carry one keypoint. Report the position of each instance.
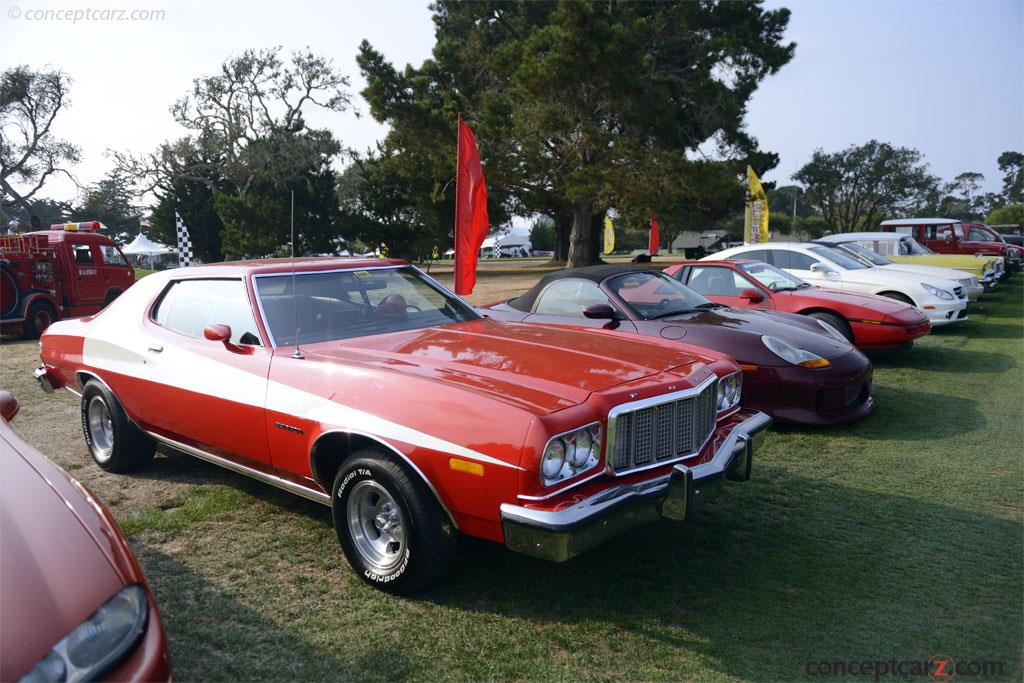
(72, 391)
(647, 403)
(596, 504)
(397, 452)
(238, 468)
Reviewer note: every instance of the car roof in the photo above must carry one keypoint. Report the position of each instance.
(276, 266)
(596, 274)
(853, 236)
(61, 235)
(921, 221)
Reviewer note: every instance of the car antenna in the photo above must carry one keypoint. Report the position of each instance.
(297, 353)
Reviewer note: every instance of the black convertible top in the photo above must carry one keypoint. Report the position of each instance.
(596, 274)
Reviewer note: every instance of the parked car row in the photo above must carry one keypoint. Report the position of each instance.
(602, 398)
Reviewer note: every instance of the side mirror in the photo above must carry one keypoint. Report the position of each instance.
(9, 405)
(820, 268)
(752, 296)
(600, 312)
(222, 333)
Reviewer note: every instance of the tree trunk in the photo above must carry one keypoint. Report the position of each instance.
(563, 227)
(580, 237)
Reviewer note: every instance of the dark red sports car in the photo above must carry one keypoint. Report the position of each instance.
(866, 320)
(74, 605)
(796, 369)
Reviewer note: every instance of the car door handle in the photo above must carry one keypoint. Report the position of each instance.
(155, 348)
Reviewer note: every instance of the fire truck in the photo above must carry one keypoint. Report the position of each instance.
(67, 271)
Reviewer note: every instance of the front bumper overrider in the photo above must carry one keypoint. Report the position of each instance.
(558, 535)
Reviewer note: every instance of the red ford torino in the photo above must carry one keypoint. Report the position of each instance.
(368, 387)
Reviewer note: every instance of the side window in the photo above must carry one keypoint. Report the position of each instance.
(717, 281)
(188, 306)
(754, 255)
(792, 260)
(83, 254)
(111, 256)
(883, 247)
(569, 298)
(904, 230)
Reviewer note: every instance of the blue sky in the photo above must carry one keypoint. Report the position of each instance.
(944, 77)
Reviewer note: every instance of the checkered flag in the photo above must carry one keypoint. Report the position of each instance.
(184, 243)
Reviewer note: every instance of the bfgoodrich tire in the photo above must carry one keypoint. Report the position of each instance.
(391, 528)
(114, 442)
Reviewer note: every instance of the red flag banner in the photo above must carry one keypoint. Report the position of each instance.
(471, 222)
(655, 240)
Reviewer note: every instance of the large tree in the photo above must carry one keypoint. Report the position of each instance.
(1012, 166)
(30, 153)
(250, 145)
(862, 184)
(112, 202)
(578, 105)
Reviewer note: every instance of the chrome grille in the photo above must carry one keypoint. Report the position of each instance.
(662, 432)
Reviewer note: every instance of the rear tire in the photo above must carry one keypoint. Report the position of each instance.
(38, 317)
(390, 527)
(114, 442)
(835, 321)
(898, 297)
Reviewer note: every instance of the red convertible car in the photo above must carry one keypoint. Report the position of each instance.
(866, 320)
(74, 605)
(795, 369)
(368, 387)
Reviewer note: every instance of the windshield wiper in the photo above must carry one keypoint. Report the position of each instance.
(783, 289)
(707, 306)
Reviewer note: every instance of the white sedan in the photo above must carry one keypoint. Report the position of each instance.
(972, 286)
(943, 301)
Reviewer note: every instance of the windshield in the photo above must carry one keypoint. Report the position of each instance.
(911, 247)
(771, 277)
(980, 233)
(837, 257)
(656, 295)
(354, 303)
(865, 254)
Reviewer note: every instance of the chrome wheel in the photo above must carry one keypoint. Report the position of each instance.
(101, 428)
(376, 526)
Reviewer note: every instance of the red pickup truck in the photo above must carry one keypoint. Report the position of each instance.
(949, 236)
(67, 271)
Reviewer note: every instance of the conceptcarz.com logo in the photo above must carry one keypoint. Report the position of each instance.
(940, 668)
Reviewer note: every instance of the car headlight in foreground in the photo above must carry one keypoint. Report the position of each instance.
(729, 391)
(791, 354)
(935, 291)
(568, 454)
(833, 332)
(100, 643)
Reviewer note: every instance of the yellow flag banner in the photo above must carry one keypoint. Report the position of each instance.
(609, 235)
(755, 224)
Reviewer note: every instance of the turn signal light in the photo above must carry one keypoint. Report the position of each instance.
(814, 363)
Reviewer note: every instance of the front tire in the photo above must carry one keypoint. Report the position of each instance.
(114, 442)
(38, 317)
(835, 321)
(390, 527)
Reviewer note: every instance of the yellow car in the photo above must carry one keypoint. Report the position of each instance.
(900, 248)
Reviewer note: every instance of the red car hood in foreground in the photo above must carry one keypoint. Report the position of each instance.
(545, 368)
(45, 521)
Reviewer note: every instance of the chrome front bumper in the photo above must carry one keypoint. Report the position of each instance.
(561, 534)
(44, 380)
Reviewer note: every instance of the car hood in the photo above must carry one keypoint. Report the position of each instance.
(927, 271)
(738, 333)
(540, 367)
(884, 276)
(881, 305)
(952, 261)
(53, 572)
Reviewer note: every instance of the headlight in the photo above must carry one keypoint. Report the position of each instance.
(100, 643)
(935, 291)
(833, 332)
(729, 391)
(791, 354)
(569, 454)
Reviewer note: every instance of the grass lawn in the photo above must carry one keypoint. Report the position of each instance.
(896, 537)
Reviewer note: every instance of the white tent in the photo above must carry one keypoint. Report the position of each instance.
(508, 245)
(142, 246)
